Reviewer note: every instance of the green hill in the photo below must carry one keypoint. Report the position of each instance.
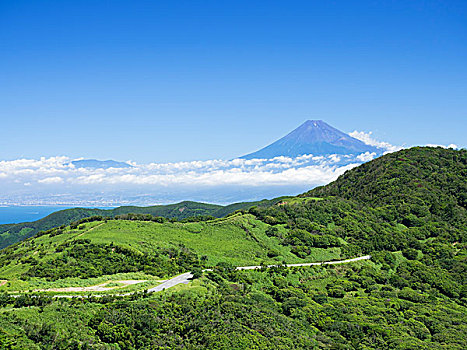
(12, 233)
(239, 240)
(406, 209)
(388, 203)
(431, 181)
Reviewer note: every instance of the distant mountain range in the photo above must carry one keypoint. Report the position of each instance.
(314, 137)
(99, 164)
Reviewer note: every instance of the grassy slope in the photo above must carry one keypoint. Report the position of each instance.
(12, 233)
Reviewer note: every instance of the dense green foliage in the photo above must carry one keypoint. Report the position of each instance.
(342, 307)
(414, 186)
(81, 258)
(406, 209)
(411, 201)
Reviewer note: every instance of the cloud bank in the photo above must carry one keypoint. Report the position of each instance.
(307, 169)
(56, 180)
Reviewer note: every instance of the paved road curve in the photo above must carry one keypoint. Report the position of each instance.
(183, 278)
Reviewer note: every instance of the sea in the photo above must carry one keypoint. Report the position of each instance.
(16, 214)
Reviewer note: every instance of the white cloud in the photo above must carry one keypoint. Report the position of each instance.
(366, 138)
(306, 169)
(367, 156)
(51, 180)
(448, 146)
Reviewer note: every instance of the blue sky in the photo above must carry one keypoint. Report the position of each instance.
(154, 81)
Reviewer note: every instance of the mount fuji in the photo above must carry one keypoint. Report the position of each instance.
(314, 137)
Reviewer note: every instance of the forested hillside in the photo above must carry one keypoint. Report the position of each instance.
(412, 294)
(421, 181)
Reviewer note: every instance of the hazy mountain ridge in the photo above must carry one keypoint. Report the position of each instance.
(99, 164)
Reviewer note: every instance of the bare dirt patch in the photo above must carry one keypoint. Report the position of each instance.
(97, 288)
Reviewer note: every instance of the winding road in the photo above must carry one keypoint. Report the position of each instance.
(185, 278)
(366, 257)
